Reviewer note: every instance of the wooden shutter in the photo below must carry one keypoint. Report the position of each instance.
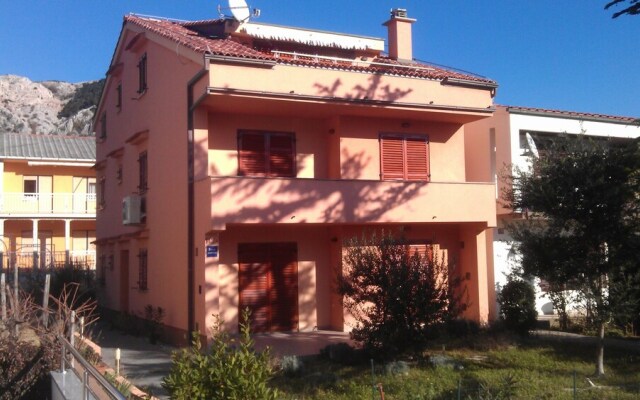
(424, 250)
(252, 154)
(392, 151)
(404, 157)
(254, 285)
(268, 279)
(281, 155)
(417, 158)
(284, 287)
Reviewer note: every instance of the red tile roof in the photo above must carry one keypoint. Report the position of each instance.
(179, 32)
(569, 114)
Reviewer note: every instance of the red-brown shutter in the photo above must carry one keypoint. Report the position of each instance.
(281, 155)
(417, 159)
(254, 285)
(392, 151)
(252, 157)
(284, 287)
(424, 250)
(268, 285)
(404, 157)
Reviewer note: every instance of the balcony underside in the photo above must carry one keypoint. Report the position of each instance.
(226, 100)
(238, 200)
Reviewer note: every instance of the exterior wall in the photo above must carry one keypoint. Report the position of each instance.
(311, 142)
(162, 132)
(345, 85)
(62, 176)
(319, 260)
(337, 157)
(488, 152)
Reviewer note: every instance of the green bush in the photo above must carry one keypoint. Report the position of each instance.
(230, 369)
(518, 306)
(396, 295)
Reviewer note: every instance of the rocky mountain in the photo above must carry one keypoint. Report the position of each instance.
(49, 107)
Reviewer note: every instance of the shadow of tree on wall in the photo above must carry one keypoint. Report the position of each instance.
(374, 91)
(263, 200)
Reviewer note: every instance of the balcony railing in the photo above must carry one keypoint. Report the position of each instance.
(293, 200)
(48, 203)
(43, 259)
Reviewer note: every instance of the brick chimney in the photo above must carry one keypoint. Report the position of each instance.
(399, 31)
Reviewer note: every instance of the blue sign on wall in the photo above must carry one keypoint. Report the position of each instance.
(212, 250)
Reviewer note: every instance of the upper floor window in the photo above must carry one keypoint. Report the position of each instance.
(142, 74)
(37, 186)
(142, 167)
(404, 157)
(103, 127)
(30, 185)
(119, 174)
(263, 153)
(119, 96)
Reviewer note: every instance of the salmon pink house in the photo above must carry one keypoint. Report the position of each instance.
(234, 158)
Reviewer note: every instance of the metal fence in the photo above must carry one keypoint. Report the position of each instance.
(47, 259)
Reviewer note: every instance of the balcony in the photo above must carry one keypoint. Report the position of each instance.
(282, 200)
(51, 204)
(39, 258)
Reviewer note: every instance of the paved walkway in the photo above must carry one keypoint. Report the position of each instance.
(145, 364)
(142, 363)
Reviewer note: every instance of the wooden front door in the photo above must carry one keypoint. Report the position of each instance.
(268, 282)
(124, 280)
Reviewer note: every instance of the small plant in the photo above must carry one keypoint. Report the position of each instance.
(153, 322)
(230, 369)
(291, 366)
(122, 385)
(518, 306)
(88, 353)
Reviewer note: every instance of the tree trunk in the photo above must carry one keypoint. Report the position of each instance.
(600, 353)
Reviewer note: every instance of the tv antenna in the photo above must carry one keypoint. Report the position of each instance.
(240, 10)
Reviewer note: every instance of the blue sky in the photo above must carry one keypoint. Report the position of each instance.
(561, 54)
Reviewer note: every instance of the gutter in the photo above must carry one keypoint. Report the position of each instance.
(491, 86)
(191, 301)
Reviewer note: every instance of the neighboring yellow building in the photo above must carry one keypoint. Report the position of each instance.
(48, 200)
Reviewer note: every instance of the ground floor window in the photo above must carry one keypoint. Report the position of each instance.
(142, 269)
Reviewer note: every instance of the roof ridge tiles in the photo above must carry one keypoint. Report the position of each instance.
(179, 32)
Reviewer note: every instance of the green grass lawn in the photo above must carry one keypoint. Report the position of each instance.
(536, 369)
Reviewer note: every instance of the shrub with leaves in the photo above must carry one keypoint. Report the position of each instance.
(25, 367)
(518, 306)
(395, 295)
(230, 369)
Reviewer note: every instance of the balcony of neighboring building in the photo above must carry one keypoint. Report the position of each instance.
(48, 204)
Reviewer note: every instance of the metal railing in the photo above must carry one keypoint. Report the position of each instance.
(48, 259)
(48, 203)
(100, 385)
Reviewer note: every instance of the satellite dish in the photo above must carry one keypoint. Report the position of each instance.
(532, 145)
(239, 10)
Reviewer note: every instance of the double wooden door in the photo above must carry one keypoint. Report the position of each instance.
(268, 283)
